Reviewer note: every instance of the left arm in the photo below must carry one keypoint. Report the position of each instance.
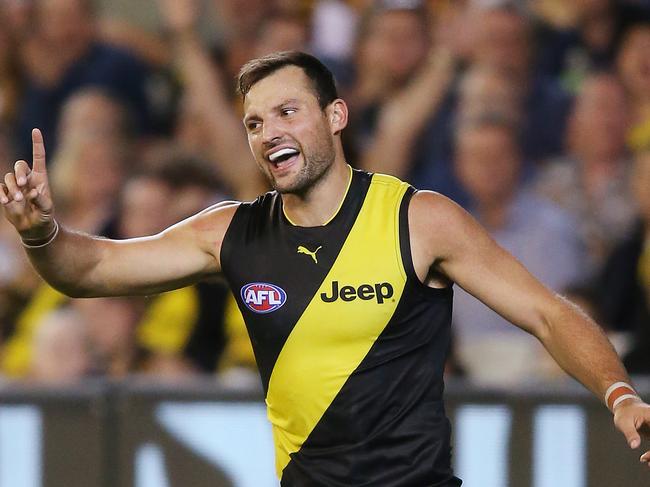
(467, 255)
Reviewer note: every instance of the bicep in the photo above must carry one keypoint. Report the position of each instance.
(176, 257)
(461, 249)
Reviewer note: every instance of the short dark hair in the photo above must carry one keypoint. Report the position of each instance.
(631, 18)
(257, 69)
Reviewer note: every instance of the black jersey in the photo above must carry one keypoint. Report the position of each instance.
(350, 344)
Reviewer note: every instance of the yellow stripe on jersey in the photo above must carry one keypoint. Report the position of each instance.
(330, 339)
(169, 321)
(17, 357)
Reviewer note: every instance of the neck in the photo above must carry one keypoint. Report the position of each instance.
(493, 213)
(322, 201)
(597, 172)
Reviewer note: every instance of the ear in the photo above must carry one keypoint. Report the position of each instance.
(337, 114)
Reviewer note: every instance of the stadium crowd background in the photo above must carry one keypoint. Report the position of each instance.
(534, 115)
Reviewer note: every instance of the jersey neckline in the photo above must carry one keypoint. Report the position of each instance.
(334, 215)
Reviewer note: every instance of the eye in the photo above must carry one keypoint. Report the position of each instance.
(288, 111)
(253, 125)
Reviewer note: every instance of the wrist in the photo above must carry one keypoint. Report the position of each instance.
(618, 393)
(46, 237)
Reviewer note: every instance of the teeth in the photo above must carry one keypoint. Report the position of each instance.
(282, 152)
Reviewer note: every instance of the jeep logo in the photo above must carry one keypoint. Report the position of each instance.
(365, 292)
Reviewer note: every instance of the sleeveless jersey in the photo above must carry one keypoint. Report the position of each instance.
(349, 343)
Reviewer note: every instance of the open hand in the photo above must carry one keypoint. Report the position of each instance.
(632, 418)
(25, 195)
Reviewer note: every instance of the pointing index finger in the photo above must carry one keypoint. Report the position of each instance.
(38, 151)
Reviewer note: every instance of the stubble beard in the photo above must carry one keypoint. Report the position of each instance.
(316, 165)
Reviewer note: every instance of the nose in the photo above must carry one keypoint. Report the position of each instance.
(271, 134)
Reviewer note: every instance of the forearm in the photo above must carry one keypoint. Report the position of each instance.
(84, 266)
(67, 261)
(403, 118)
(581, 348)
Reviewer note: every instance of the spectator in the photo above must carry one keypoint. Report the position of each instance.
(241, 21)
(94, 113)
(65, 56)
(61, 349)
(334, 31)
(634, 69)
(208, 121)
(592, 180)
(504, 39)
(535, 231)
(393, 44)
(111, 325)
(194, 329)
(190, 329)
(624, 286)
(584, 43)
(283, 31)
(409, 132)
(9, 74)
(487, 89)
(402, 107)
(87, 175)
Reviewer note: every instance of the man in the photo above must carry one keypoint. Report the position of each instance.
(344, 279)
(64, 54)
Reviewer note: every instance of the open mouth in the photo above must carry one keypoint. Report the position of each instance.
(283, 156)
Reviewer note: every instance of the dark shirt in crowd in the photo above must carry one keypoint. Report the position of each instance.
(624, 303)
(113, 69)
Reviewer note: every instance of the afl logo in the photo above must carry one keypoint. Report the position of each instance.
(262, 297)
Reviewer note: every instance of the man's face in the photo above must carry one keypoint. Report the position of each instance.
(397, 41)
(634, 62)
(487, 90)
(502, 41)
(288, 133)
(487, 163)
(599, 119)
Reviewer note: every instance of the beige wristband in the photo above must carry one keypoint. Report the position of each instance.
(48, 240)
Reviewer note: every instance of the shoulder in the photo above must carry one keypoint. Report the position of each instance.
(208, 226)
(439, 227)
(433, 209)
(221, 210)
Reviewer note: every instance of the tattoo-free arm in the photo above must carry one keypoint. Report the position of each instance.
(446, 238)
(82, 265)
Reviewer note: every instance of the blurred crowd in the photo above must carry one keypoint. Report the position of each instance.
(534, 115)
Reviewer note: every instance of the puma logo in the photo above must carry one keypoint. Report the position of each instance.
(305, 250)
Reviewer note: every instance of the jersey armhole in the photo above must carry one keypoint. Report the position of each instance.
(405, 246)
(226, 243)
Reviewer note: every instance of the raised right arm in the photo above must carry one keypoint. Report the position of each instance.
(203, 81)
(85, 266)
